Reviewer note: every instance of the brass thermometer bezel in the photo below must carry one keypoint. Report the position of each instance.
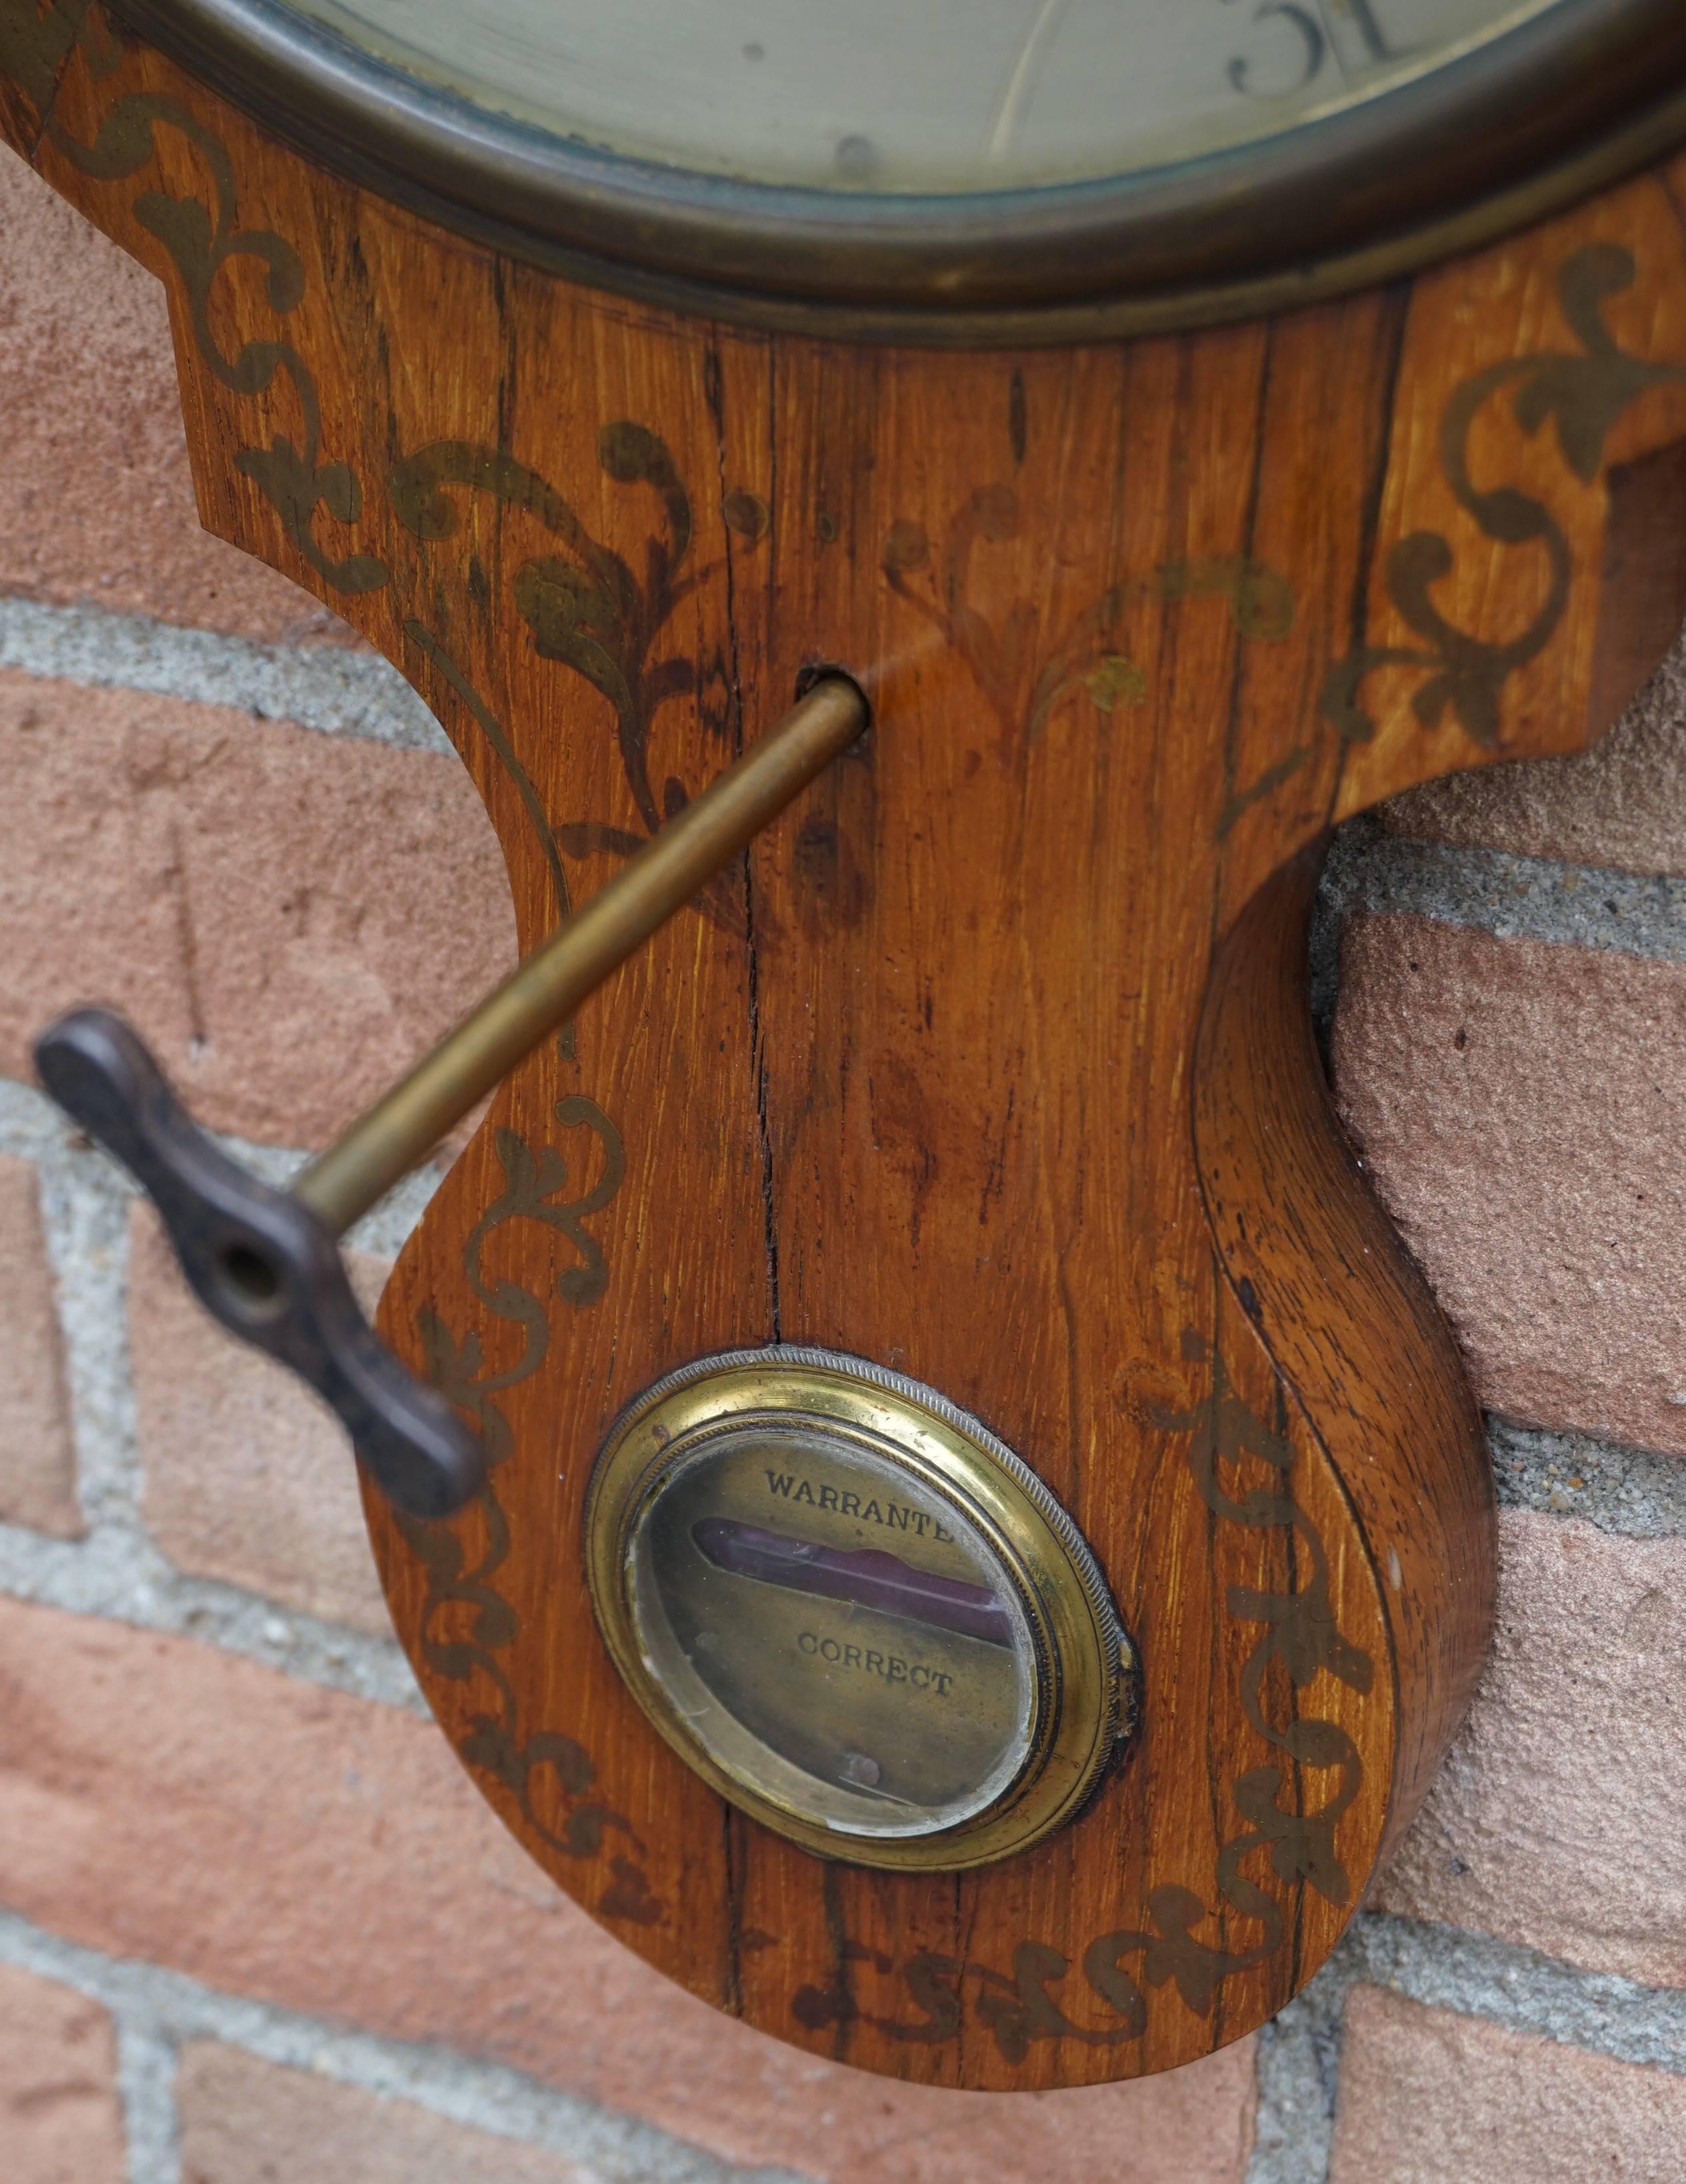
(1083, 1707)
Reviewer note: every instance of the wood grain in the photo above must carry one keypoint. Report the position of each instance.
(993, 1064)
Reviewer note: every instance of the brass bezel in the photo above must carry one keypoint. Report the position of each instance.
(1086, 1670)
(1538, 116)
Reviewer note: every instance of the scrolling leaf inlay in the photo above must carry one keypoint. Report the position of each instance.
(466, 1621)
(531, 1183)
(589, 610)
(1026, 683)
(503, 750)
(202, 241)
(1300, 1630)
(1582, 393)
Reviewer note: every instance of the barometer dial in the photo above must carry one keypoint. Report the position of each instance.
(878, 95)
(960, 170)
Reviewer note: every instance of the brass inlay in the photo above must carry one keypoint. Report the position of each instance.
(544, 990)
(853, 1611)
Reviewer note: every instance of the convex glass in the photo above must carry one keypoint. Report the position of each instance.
(911, 96)
(854, 1610)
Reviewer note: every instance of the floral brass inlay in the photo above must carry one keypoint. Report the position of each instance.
(1582, 395)
(1299, 1630)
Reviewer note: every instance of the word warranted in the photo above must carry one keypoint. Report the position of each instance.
(872, 1662)
(894, 1516)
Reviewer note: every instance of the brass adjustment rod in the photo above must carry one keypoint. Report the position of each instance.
(266, 1262)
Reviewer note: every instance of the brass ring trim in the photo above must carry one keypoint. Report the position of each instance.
(1086, 1683)
(1544, 114)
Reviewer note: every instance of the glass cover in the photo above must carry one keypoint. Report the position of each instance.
(833, 1631)
(917, 95)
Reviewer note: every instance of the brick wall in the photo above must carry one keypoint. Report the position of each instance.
(255, 1926)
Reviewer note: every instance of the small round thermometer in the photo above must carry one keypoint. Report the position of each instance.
(854, 1610)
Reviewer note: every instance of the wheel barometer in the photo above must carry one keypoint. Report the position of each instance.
(913, 1475)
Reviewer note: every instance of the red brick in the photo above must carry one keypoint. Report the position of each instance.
(1621, 805)
(60, 2119)
(1521, 1108)
(289, 917)
(38, 1469)
(95, 501)
(1430, 2098)
(247, 1477)
(162, 1800)
(244, 2121)
(1556, 1820)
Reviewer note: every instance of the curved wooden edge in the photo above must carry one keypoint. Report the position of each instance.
(1634, 608)
(1347, 1319)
